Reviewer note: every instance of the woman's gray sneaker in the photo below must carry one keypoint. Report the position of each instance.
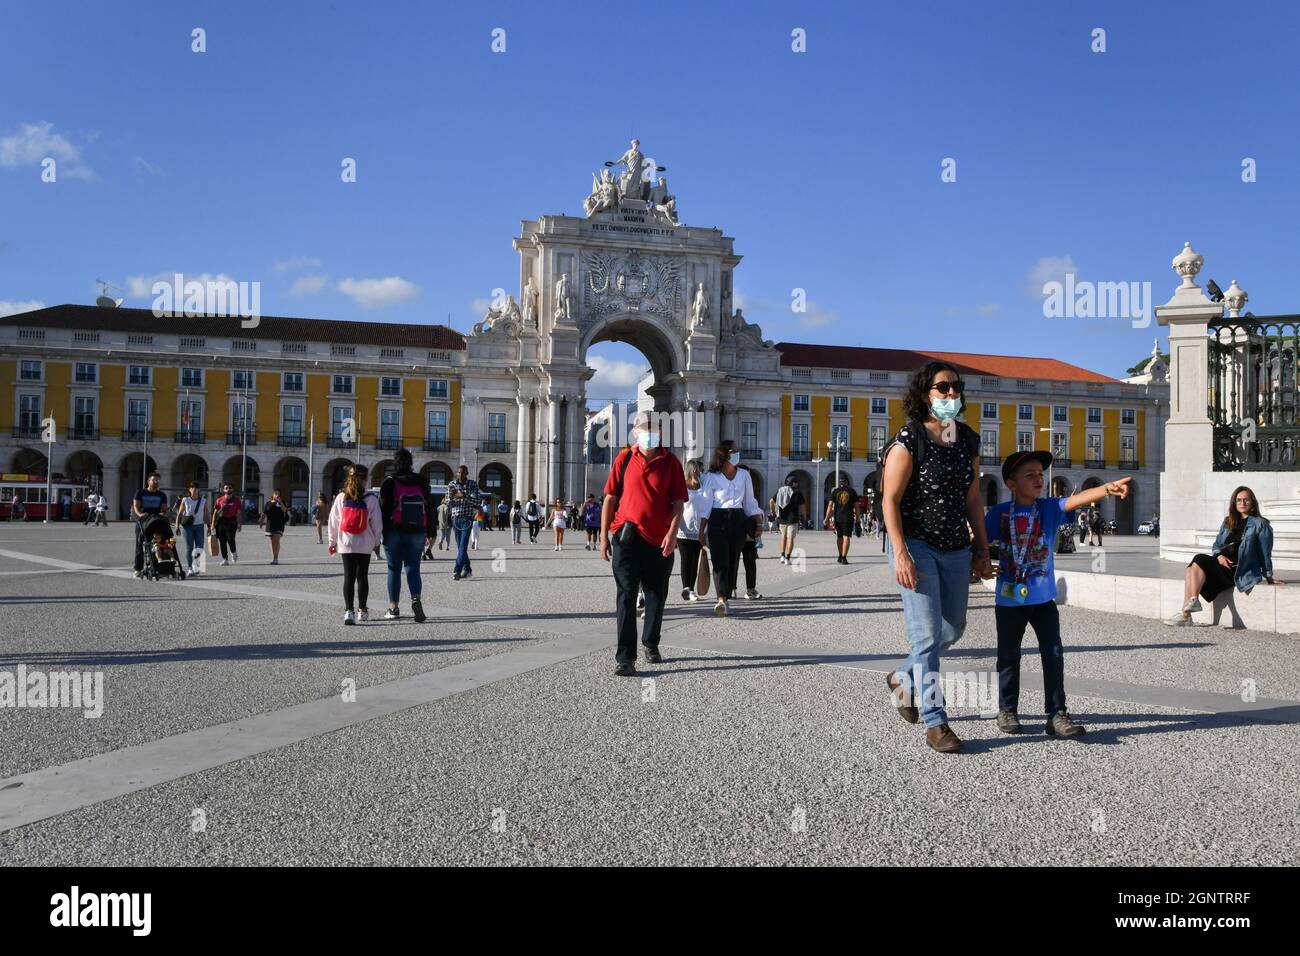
(1060, 725)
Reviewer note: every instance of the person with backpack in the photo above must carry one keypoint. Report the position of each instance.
(933, 510)
(228, 518)
(791, 509)
(533, 515)
(355, 523)
(465, 501)
(843, 508)
(274, 517)
(406, 508)
(516, 522)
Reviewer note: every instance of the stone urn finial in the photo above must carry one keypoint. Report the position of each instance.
(1187, 263)
(1235, 297)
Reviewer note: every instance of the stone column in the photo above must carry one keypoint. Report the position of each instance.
(521, 451)
(573, 455)
(552, 449)
(1189, 434)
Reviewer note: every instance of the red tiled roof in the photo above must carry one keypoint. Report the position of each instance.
(383, 334)
(908, 360)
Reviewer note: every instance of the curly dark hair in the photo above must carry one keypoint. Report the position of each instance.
(916, 400)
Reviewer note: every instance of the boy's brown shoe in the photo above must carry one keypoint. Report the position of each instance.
(1060, 725)
(1009, 722)
(907, 711)
(942, 739)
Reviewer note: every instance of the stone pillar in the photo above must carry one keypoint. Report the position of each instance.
(521, 451)
(552, 448)
(573, 455)
(1189, 434)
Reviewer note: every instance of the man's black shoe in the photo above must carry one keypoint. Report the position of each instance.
(653, 656)
(417, 610)
(625, 670)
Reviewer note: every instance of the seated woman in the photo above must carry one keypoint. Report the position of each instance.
(1242, 556)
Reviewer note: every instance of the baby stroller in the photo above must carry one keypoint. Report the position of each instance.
(161, 559)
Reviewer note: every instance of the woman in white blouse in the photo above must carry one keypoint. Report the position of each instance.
(731, 501)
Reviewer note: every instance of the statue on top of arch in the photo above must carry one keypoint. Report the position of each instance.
(633, 184)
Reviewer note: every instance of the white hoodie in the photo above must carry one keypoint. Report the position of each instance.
(364, 542)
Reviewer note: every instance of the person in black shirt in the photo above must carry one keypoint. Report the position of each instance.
(933, 509)
(844, 506)
(791, 509)
(149, 500)
(410, 523)
(274, 517)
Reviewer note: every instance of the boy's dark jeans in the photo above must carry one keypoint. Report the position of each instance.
(639, 565)
(1046, 622)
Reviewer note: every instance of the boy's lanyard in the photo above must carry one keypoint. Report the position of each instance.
(1019, 547)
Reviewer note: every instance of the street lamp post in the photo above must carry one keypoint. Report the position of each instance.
(1051, 491)
(818, 490)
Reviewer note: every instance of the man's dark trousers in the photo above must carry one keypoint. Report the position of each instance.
(639, 565)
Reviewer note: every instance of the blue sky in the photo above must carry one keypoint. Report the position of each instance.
(824, 165)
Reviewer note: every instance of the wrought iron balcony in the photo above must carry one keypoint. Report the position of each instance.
(241, 436)
(751, 454)
(188, 436)
(437, 445)
(291, 440)
(495, 447)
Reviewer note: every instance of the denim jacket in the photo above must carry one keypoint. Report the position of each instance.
(1254, 555)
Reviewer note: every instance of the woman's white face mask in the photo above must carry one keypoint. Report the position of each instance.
(647, 440)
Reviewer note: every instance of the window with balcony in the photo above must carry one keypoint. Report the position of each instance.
(748, 438)
(390, 428)
(497, 430)
(191, 420)
(840, 437)
(83, 417)
(291, 430)
(1024, 441)
(1059, 442)
(437, 434)
(137, 419)
(799, 440)
(340, 420)
(1094, 447)
(989, 443)
(1127, 448)
(29, 415)
(877, 441)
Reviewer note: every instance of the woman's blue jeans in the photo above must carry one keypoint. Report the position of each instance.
(193, 542)
(935, 616)
(403, 548)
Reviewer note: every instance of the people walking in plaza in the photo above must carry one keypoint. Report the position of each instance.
(1242, 557)
(843, 510)
(516, 522)
(749, 557)
(274, 517)
(101, 510)
(227, 519)
(320, 514)
(533, 515)
(791, 511)
(191, 516)
(356, 522)
(465, 499)
(89, 516)
(149, 500)
(1025, 527)
(932, 509)
(406, 507)
(591, 522)
(503, 514)
(731, 504)
(559, 521)
(692, 530)
(444, 523)
(427, 554)
(476, 529)
(642, 509)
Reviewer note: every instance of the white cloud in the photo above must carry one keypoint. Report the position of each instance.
(479, 308)
(816, 317)
(1049, 269)
(143, 167)
(13, 308)
(614, 378)
(308, 285)
(35, 142)
(141, 287)
(379, 293)
(296, 264)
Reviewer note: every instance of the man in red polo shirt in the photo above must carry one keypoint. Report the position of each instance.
(643, 506)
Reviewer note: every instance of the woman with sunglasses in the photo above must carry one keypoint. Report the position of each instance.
(1242, 556)
(932, 510)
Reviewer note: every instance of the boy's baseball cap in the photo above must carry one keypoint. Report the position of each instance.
(1018, 458)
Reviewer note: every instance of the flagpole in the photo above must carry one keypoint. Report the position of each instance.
(311, 455)
(49, 467)
(243, 449)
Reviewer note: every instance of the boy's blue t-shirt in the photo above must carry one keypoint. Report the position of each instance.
(1039, 573)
